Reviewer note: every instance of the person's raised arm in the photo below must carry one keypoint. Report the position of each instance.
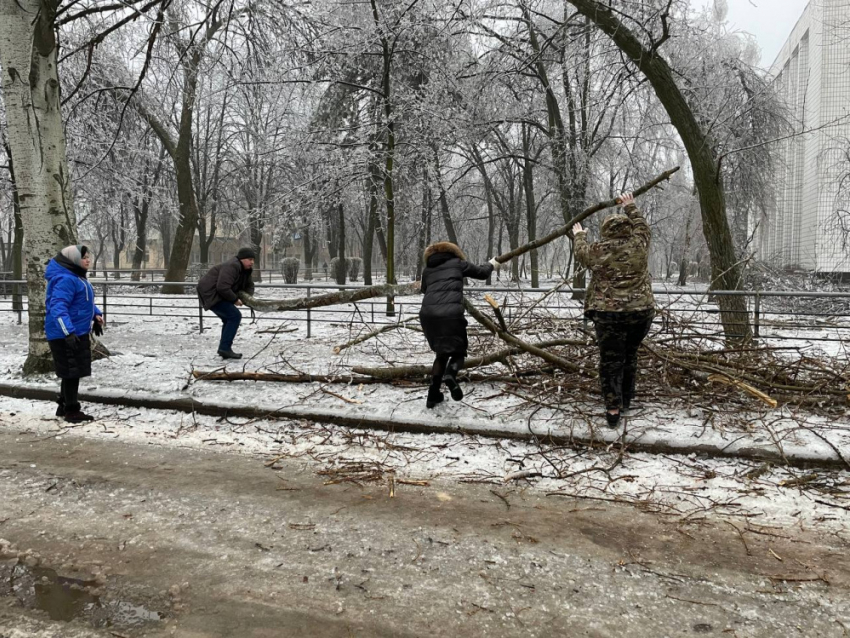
(640, 227)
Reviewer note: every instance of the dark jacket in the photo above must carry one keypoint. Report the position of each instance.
(223, 282)
(441, 313)
(620, 280)
(69, 300)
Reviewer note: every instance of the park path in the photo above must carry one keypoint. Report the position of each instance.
(220, 545)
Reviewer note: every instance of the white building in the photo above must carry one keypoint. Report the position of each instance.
(809, 225)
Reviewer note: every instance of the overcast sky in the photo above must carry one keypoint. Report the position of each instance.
(770, 21)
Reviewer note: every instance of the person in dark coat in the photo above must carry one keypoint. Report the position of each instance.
(619, 299)
(219, 290)
(68, 320)
(442, 316)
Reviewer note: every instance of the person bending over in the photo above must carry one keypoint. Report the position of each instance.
(70, 315)
(442, 316)
(219, 292)
(619, 300)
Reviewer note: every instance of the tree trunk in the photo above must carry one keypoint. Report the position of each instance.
(491, 213)
(31, 89)
(257, 245)
(141, 246)
(369, 235)
(16, 232)
(165, 234)
(726, 272)
(389, 150)
(530, 205)
(119, 239)
(184, 236)
(341, 269)
(308, 253)
(425, 221)
(444, 201)
(683, 263)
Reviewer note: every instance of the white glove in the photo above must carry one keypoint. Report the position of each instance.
(496, 265)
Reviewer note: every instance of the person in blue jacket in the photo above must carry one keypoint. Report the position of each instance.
(71, 314)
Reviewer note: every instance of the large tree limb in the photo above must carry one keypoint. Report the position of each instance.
(506, 336)
(404, 372)
(330, 299)
(224, 375)
(567, 229)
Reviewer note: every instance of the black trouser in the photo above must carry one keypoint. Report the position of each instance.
(619, 335)
(445, 365)
(68, 394)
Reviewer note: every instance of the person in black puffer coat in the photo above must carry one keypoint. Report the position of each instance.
(441, 314)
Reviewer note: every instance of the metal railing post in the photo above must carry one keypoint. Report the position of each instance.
(756, 316)
(16, 294)
(104, 302)
(309, 332)
(200, 316)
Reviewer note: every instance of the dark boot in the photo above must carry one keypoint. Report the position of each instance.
(73, 414)
(613, 420)
(60, 406)
(450, 379)
(434, 397)
(229, 354)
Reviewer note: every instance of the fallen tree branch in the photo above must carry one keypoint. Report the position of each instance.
(374, 333)
(567, 229)
(330, 299)
(758, 394)
(271, 376)
(555, 360)
(425, 425)
(406, 372)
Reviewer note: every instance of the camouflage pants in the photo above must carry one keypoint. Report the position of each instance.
(619, 335)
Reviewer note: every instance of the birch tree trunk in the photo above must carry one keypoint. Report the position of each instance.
(28, 56)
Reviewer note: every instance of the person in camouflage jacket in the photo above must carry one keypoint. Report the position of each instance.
(619, 299)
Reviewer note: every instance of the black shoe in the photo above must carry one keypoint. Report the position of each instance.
(229, 354)
(627, 403)
(60, 407)
(434, 398)
(612, 419)
(454, 388)
(78, 417)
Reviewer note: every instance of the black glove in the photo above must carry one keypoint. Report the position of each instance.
(97, 328)
(73, 341)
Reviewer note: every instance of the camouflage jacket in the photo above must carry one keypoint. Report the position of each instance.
(618, 263)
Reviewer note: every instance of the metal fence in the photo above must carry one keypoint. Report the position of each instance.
(773, 315)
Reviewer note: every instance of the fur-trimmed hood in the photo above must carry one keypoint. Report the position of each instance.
(444, 247)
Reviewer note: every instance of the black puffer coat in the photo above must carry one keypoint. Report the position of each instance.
(224, 282)
(441, 314)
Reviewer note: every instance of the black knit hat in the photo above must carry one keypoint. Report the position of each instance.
(246, 253)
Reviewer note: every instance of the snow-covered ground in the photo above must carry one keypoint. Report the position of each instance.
(155, 355)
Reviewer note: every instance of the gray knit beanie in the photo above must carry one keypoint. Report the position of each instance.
(74, 254)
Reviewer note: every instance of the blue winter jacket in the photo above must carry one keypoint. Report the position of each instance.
(70, 303)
